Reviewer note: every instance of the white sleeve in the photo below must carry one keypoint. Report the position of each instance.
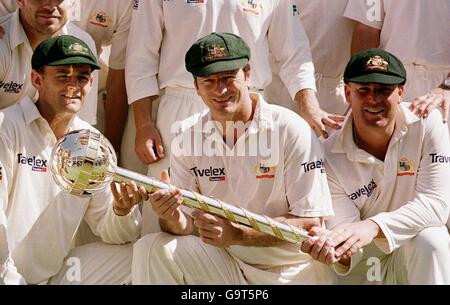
(306, 185)
(431, 204)
(8, 272)
(368, 12)
(144, 43)
(7, 7)
(345, 211)
(88, 112)
(289, 46)
(105, 223)
(120, 37)
(180, 175)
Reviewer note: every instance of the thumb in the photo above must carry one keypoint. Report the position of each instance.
(165, 176)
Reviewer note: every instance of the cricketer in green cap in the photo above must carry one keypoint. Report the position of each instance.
(219, 64)
(63, 50)
(374, 85)
(375, 66)
(217, 52)
(62, 75)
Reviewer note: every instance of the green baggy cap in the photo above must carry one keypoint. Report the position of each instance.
(217, 52)
(375, 66)
(63, 50)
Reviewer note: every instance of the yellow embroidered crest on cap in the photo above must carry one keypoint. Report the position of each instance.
(100, 19)
(215, 51)
(377, 62)
(77, 48)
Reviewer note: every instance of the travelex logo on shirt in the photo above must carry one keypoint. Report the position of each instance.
(11, 87)
(195, 1)
(366, 190)
(1, 173)
(435, 158)
(314, 165)
(36, 164)
(214, 174)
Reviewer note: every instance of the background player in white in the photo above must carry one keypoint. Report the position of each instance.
(418, 34)
(224, 252)
(388, 173)
(108, 23)
(162, 30)
(330, 36)
(32, 23)
(42, 220)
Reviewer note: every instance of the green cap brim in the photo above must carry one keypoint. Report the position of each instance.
(75, 60)
(220, 66)
(377, 78)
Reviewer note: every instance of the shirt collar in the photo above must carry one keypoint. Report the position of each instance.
(29, 109)
(262, 118)
(31, 113)
(346, 144)
(17, 33)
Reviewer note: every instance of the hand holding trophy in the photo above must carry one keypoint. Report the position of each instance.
(84, 161)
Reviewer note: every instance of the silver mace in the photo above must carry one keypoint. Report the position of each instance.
(84, 162)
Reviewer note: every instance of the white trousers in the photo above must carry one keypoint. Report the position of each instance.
(330, 94)
(175, 105)
(96, 263)
(424, 259)
(162, 258)
(421, 79)
(128, 158)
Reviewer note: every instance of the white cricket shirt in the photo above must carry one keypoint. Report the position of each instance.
(15, 65)
(416, 31)
(404, 194)
(163, 31)
(287, 177)
(42, 219)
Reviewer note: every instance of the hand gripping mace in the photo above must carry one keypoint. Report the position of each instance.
(84, 161)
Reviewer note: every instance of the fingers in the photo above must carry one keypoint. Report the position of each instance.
(319, 129)
(332, 121)
(143, 192)
(165, 177)
(128, 196)
(444, 109)
(420, 105)
(148, 144)
(165, 204)
(115, 192)
(150, 153)
(434, 101)
(349, 244)
(158, 146)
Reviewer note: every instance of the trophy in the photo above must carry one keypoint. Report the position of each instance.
(83, 162)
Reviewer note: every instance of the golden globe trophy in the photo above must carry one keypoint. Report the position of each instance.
(83, 162)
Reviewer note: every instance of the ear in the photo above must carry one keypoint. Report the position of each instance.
(36, 79)
(347, 93)
(401, 91)
(247, 75)
(195, 83)
(20, 3)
